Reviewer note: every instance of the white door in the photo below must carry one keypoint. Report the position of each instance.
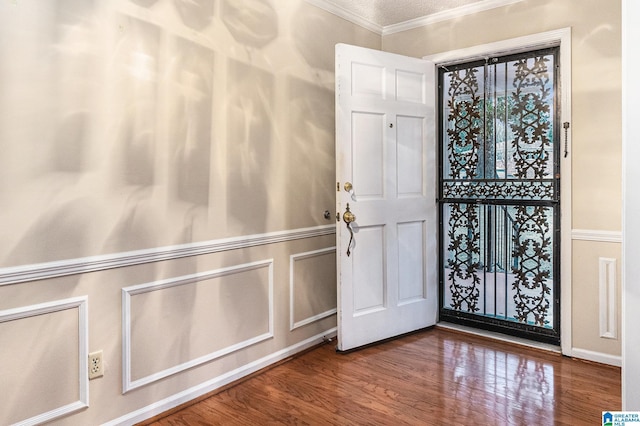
(385, 148)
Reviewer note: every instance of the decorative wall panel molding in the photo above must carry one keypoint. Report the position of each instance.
(608, 301)
(48, 270)
(128, 383)
(292, 288)
(217, 382)
(79, 303)
(596, 235)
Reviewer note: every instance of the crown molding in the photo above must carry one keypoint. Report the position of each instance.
(445, 15)
(413, 23)
(348, 15)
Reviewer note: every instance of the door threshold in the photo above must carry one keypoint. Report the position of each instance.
(501, 337)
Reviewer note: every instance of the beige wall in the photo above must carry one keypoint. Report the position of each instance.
(176, 135)
(126, 127)
(595, 125)
(161, 126)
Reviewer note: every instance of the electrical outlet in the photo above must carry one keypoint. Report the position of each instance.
(96, 367)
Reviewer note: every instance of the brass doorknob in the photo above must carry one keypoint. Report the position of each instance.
(348, 217)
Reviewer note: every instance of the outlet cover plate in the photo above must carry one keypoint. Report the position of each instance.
(96, 366)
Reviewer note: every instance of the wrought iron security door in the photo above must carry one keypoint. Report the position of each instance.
(499, 195)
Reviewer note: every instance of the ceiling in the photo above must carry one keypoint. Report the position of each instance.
(385, 15)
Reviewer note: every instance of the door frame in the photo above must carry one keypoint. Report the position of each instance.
(631, 206)
(561, 38)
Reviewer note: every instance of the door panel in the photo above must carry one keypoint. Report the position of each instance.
(368, 154)
(368, 81)
(411, 173)
(385, 148)
(410, 86)
(411, 262)
(369, 277)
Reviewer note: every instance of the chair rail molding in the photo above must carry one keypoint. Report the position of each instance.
(48, 270)
(596, 235)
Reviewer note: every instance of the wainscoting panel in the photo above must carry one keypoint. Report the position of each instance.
(608, 301)
(50, 362)
(596, 297)
(312, 286)
(171, 325)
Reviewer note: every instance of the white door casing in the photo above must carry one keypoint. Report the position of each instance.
(560, 37)
(386, 148)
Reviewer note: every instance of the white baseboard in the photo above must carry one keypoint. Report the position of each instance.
(216, 383)
(602, 358)
(585, 354)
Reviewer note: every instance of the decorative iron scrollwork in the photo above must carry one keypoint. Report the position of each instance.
(511, 190)
(464, 257)
(499, 191)
(532, 245)
(531, 118)
(465, 123)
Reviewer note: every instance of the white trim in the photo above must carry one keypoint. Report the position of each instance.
(48, 270)
(383, 30)
(347, 15)
(562, 38)
(576, 352)
(83, 351)
(596, 235)
(630, 337)
(599, 357)
(445, 15)
(314, 318)
(608, 312)
(215, 383)
(292, 260)
(127, 292)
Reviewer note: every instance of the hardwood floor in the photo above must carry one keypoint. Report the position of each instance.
(432, 377)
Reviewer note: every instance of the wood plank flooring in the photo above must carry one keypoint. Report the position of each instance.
(433, 377)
